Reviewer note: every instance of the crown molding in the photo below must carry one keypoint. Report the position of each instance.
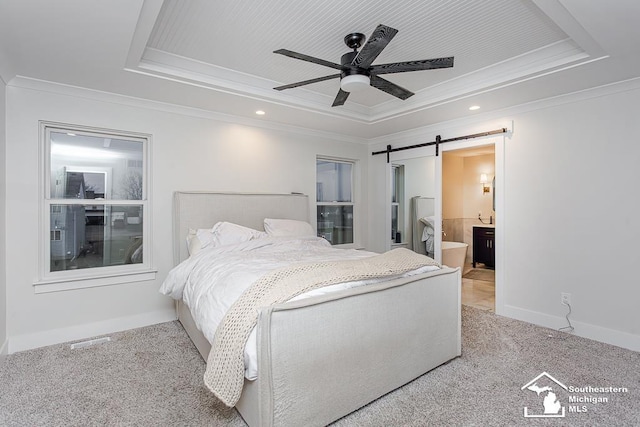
(549, 59)
(113, 98)
(146, 21)
(166, 65)
(404, 137)
(571, 27)
(156, 63)
(503, 116)
(7, 73)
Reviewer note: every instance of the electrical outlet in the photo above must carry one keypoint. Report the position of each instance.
(565, 298)
(479, 214)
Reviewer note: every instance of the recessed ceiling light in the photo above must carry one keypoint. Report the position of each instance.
(474, 107)
(260, 113)
(71, 134)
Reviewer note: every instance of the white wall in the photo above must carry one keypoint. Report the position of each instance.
(570, 216)
(474, 200)
(190, 151)
(419, 175)
(462, 195)
(3, 204)
(452, 186)
(569, 220)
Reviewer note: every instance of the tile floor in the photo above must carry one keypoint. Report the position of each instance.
(478, 293)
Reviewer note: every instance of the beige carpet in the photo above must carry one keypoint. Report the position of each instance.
(153, 377)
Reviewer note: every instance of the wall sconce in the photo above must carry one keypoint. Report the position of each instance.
(485, 183)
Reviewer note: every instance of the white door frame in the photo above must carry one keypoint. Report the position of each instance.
(498, 141)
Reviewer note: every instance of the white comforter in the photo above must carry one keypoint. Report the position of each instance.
(210, 281)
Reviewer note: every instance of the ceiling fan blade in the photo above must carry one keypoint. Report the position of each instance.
(390, 88)
(401, 67)
(380, 38)
(341, 97)
(307, 82)
(308, 58)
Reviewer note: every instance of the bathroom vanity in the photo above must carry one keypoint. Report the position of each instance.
(483, 245)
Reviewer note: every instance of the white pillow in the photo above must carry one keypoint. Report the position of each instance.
(228, 233)
(223, 233)
(198, 239)
(288, 228)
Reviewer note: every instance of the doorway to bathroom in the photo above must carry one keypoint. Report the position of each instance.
(469, 219)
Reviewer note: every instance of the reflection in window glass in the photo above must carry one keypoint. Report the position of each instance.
(86, 236)
(95, 167)
(335, 223)
(333, 181)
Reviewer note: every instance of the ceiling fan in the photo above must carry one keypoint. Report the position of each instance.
(356, 71)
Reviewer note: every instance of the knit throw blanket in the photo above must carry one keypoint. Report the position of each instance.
(224, 374)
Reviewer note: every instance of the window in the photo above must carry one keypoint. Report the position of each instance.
(334, 197)
(95, 203)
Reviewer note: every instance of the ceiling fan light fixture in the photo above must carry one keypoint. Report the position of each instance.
(354, 83)
(356, 70)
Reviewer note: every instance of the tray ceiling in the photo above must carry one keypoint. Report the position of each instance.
(231, 44)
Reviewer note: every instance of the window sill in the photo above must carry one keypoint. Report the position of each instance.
(67, 284)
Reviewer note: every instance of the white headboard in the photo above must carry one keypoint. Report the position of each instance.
(192, 209)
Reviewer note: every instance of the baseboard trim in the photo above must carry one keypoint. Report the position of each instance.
(89, 330)
(585, 330)
(4, 348)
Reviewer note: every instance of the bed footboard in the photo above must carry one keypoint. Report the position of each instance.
(322, 358)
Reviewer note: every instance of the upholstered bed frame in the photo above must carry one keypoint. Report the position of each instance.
(323, 357)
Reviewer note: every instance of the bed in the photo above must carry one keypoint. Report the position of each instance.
(323, 357)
